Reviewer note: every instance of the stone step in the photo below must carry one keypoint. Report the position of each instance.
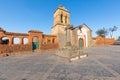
(77, 57)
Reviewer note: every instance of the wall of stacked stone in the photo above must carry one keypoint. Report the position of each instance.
(8, 46)
(7, 50)
(3, 49)
(49, 42)
(49, 46)
(103, 41)
(109, 40)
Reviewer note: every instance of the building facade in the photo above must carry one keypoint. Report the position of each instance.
(69, 35)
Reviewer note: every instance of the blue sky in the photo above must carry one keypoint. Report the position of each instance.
(24, 15)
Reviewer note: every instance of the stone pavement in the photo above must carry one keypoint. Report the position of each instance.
(102, 63)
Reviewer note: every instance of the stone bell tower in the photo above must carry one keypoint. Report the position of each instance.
(61, 21)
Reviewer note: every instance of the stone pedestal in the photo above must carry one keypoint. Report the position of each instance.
(71, 54)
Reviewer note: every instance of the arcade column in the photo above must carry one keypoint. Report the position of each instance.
(10, 40)
(0, 40)
(21, 40)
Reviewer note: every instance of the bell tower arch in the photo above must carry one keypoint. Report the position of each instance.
(61, 16)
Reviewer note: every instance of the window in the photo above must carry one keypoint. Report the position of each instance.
(61, 18)
(16, 41)
(48, 41)
(25, 41)
(5, 40)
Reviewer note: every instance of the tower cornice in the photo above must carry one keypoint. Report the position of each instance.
(64, 9)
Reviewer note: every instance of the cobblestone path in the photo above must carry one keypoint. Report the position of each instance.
(102, 63)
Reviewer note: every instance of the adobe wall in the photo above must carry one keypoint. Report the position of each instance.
(109, 40)
(10, 48)
(103, 41)
(49, 42)
(7, 50)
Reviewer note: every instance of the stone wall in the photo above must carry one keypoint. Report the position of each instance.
(9, 47)
(49, 46)
(49, 42)
(103, 41)
(59, 31)
(74, 38)
(109, 40)
(90, 41)
(61, 40)
(7, 50)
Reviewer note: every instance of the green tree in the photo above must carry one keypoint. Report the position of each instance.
(102, 32)
(112, 29)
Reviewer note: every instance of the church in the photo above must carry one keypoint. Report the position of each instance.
(67, 34)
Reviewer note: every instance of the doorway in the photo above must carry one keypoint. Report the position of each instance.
(81, 43)
(35, 43)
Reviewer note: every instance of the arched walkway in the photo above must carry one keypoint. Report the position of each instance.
(5, 40)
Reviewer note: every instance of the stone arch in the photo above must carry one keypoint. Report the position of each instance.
(35, 43)
(5, 40)
(25, 40)
(16, 40)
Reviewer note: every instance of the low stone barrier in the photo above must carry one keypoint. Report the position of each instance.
(49, 46)
(71, 54)
(6, 50)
